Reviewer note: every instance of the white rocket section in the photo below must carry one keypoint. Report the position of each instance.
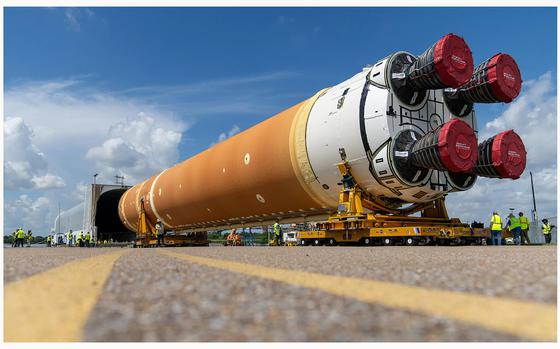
(334, 127)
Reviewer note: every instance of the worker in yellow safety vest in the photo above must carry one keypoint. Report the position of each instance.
(547, 230)
(80, 239)
(29, 237)
(49, 241)
(496, 228)
(277, 233)
(86, 241)
(20, 236)
(69, 238)
(160, 231)
(14, 238)
(524, 223)
(515, 228)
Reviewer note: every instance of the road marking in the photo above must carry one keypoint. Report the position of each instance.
(526, 319)
(53, 306)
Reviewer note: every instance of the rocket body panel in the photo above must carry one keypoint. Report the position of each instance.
(251, 176)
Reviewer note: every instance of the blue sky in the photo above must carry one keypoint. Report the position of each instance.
(201, 72)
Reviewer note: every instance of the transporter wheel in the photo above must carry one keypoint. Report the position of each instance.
(331, 242)
(303, 242)
(387, 241)
(410, 241)
(317, 242)
(367, 241)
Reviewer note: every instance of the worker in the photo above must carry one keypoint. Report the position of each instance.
(87, 239)
(547, 230)
(277, 233)
(524, 223)
(29, 238)
(20, 236)
(230, 239)
(49, 240)
(14, 238)
(91, 241)
(69, 238)
(496, 228)
(80, 239)
(251, 237)
(160, 231)
(237, 239)
(515, 228)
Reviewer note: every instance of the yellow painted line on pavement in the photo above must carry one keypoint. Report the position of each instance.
(526, 319)
(53, 306)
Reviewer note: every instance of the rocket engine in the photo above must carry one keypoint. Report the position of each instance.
(406, 126)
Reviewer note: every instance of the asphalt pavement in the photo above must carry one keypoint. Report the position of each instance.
(156, 295)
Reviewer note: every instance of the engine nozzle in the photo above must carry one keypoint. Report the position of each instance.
(496, 80)
(450, 147)
(448, 63)
(502, 156)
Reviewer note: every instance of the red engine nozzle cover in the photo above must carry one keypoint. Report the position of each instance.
(453, 60)
(504, 77)
(509, 156)
(457, 145)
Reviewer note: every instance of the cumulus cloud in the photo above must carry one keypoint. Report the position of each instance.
(28, 213)
(225, 135)
(83, 130)
(533, 116)
(136, 149)
(25, 166)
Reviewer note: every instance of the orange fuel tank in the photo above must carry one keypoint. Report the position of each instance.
(406, 125)
(257, 175)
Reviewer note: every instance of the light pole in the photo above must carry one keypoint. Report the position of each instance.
(94, 208)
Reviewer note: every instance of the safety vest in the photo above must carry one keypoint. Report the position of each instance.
(68, 236)
(88, 237)
(80, 236)
(524, 221)
(49, 238)
(277, 229)
(513, 223)
(20, 234)
(496, 222)
(546, 228)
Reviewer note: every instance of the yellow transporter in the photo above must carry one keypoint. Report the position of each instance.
(352, 224)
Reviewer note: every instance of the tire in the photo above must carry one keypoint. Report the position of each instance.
(410, 241)
(387, 241)
(367, 241)
(316, 242)
(303, 242)
(331, 242)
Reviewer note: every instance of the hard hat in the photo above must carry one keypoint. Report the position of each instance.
(158, 220)
(545, 220)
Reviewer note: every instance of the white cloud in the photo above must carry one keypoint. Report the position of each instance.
(25, 166)
(28, 213)
(533, 116)
(65, 119)
(225, 135)
(136, 149)
(71, 16)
